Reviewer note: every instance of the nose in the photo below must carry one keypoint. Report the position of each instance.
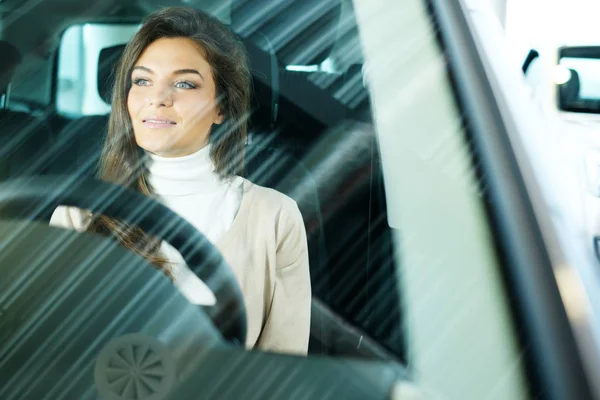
(160, 97)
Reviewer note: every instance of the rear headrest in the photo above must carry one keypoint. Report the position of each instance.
(301, 32)
(10, 58)
(107, 65)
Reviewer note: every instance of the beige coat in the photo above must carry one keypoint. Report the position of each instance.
(266, 248)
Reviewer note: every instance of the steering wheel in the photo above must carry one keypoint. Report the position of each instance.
(35, 198)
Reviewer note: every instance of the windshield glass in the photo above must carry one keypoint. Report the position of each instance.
(309, 116)
(238, 188)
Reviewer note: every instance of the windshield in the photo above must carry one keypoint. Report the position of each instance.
(301, 217)
(310, 114)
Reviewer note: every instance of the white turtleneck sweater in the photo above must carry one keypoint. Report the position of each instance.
(189, 186)
(259, 232)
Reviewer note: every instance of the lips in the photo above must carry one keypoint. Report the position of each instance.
(158, 122)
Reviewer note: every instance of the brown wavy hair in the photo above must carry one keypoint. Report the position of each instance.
(123, 161)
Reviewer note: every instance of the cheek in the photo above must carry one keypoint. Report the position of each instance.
(134, 103)
(198, 111)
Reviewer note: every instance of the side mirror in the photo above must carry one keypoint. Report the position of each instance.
(577, 77)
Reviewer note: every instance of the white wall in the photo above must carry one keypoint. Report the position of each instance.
(546, 24)
(499, 7)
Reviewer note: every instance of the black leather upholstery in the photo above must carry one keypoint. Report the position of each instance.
(24, 137)
(271, 30)
(107, 63)
(25, 140)
(79, 144)
(323, 132)
(299, 41)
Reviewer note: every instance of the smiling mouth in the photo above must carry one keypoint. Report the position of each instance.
(158, 123)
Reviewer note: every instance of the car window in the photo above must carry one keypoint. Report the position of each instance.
(402, 252)
(436, 198)
(576, 77)
(311, 111)
(78, 66)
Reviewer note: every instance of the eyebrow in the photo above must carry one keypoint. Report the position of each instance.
(177, 72)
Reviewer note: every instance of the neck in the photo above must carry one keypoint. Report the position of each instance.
(194, 173)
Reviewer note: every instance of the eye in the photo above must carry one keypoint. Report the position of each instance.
(141, 82)
(185, 85)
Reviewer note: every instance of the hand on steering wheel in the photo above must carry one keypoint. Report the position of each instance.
(33, 198)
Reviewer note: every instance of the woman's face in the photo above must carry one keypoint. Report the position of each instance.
(172, 100)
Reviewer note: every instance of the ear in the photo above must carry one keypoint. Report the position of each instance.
(219, 117)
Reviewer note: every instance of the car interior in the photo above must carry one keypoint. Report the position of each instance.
(431, 249)
(311, 136)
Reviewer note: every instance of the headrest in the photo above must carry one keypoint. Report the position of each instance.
(301, 32)
(107, 64)
(10, 57)
(265, 78)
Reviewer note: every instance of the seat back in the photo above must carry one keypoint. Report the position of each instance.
(24, 137)
(79, 145)
(275, 151)
(25, 141)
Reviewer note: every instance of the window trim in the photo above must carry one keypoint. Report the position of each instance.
(538, 307)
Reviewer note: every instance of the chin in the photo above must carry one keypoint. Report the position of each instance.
(158, 147)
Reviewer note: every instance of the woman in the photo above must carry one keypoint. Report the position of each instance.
(177, 132)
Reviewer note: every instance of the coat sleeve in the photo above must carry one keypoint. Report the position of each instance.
(287, 324)
(70, 218)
